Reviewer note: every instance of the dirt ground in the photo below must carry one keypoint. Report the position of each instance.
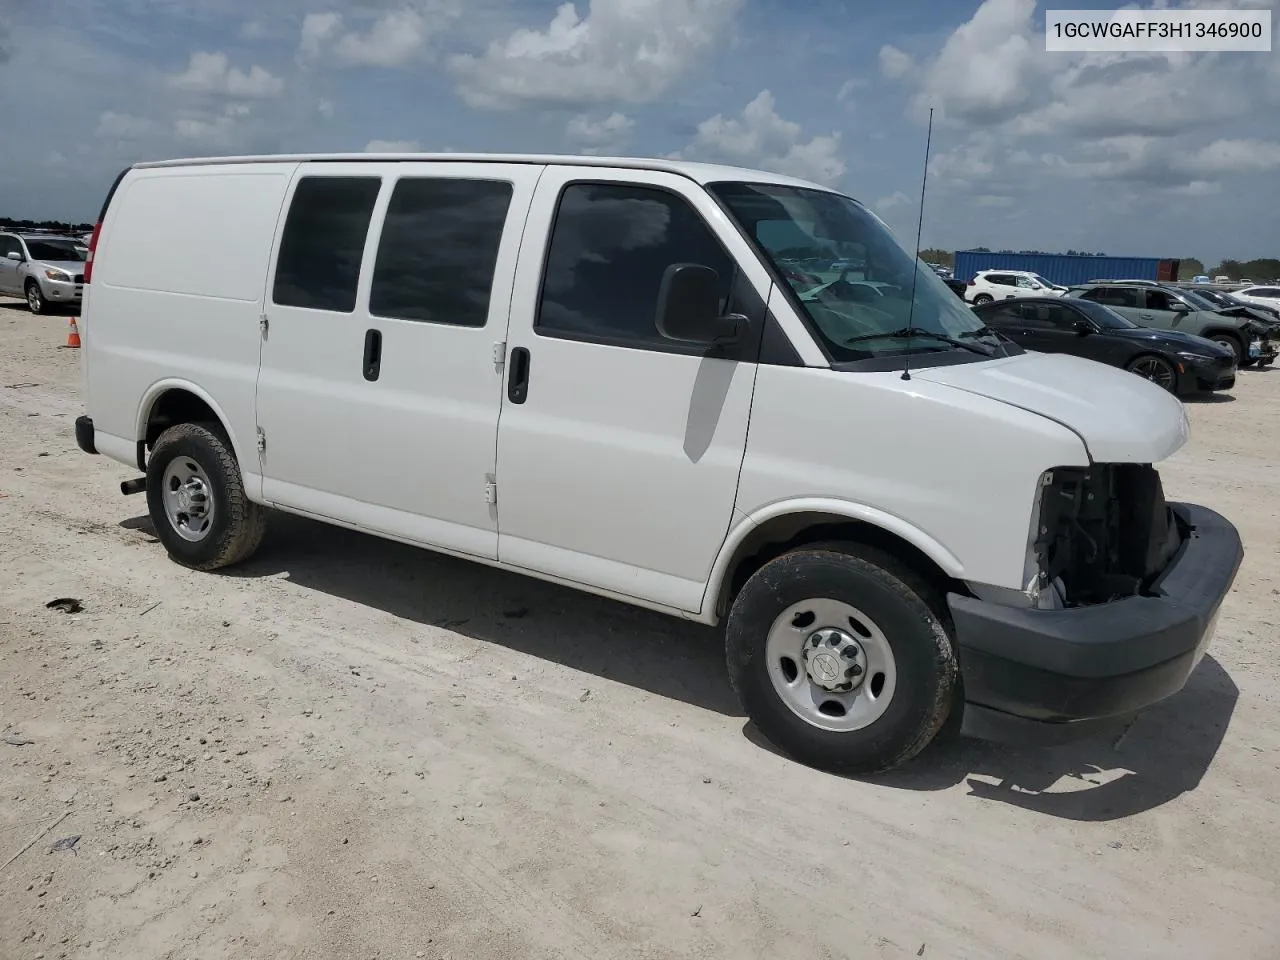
(353, 749)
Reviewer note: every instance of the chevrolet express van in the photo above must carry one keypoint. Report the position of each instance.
(720, 393)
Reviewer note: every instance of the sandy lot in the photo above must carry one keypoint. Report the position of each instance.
(353, 749)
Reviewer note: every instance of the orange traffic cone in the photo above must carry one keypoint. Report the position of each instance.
(73, 335)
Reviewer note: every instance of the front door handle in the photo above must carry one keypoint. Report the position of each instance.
(372, 354)
(518, 379)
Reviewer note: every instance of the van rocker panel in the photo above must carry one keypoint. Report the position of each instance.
(1027, 668)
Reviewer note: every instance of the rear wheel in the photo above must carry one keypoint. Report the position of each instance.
(983, 298)
(197, 499)
(842, 657)
(1156, 369)
(35, 299)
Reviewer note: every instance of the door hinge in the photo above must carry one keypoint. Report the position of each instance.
(491, 490)
(500, 352)
(263, 325)
(262, 440)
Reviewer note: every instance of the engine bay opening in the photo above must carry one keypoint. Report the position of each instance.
(1105, 532)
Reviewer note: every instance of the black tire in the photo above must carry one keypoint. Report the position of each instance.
(1251, 362)
(908, 611)
(1232, 344)
(36, 302)
(236, 525)
(983, 298)
(1156, 369)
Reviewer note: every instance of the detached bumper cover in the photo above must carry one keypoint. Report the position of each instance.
(1048, 675)
(84, 434)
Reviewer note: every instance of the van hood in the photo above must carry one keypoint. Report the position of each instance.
(1120, 417)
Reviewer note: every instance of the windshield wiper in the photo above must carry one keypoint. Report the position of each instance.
(910, 333)
(983, 332)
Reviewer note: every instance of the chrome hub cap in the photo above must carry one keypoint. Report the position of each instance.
(188, 499)
(831, 664)
(834, 660)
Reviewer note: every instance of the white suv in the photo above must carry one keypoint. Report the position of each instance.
(608, 374)
(988, 285)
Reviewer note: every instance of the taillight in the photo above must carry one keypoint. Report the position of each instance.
(969, 284)
(93, 245)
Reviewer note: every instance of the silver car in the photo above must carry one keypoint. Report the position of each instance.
(45, 270)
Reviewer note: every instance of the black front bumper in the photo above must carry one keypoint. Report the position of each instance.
(1044, 676)
(1209, 375)
(84, 434)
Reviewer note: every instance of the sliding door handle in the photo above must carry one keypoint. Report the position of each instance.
(372, 354)
(518, 378)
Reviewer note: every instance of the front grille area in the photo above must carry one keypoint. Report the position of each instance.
(1105, 531)
(78, 278)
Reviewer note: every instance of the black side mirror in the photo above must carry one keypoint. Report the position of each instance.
(689, 307)
(1083, 327)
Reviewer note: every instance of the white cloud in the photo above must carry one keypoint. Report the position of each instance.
(317, 29)
(845, 93)
(607, 135)
(254, 30)
(892, 202)
(324, 107)
(211, 74)
(894, 64)
(761, 138)
(1234, 156)
(393, 40)
(215, 130)
(123, 126)
(628, 51)
(392, 146)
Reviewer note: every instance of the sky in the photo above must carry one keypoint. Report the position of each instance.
(1162, 155)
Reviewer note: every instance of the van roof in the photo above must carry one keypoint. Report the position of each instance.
(700, 172)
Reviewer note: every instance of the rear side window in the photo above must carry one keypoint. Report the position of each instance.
(610, 245)
(1000, 313)
(438, 251)
(323, 243)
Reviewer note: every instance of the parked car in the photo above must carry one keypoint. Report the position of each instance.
(594, 372)
(958, 287)
(1259, 295)
(988, 285)
(1226, 301)
(43, 270)
(1167, 308)
(1174, 361)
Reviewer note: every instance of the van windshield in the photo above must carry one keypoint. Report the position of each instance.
(852, 278)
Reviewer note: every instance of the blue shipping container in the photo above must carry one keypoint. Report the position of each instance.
(1066, 270)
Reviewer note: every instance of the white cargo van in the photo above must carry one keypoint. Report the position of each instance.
(724, 394)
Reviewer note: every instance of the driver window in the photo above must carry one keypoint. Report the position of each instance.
(1024, 283)
(1159, 300)
(1061, 318)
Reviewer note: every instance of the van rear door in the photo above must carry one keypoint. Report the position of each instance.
(381, 373)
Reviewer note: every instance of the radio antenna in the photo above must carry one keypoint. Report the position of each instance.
(915, 272)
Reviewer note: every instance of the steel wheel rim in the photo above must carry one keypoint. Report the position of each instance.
(850, 648)
(1155, 370)
(187, 493)
(33, 299)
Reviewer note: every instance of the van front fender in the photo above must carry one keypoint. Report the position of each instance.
(830, 510)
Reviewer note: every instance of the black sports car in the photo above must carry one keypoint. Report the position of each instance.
(1178, 362)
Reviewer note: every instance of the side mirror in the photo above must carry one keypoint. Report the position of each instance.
(13, 255)
(1177, 306)
(689, 307)
(1083, 327)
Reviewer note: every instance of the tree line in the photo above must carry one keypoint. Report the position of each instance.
(18, 226)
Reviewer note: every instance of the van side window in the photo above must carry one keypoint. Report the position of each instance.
(610, 245)
(323, 243)
(438, 250)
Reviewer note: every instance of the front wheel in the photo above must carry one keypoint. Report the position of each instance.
(982, 298)
(1158, 370)
(197, 499)
(35, 299)
(1232, 344)
(842, 657)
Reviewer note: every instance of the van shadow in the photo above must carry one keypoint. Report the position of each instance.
(1163, 754)
(653, 652)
